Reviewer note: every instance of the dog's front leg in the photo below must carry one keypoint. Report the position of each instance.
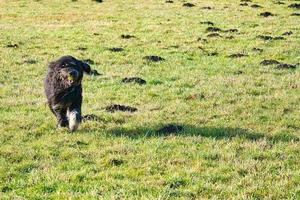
(61, 115)
(74, 116)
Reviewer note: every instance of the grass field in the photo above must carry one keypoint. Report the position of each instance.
(237, 120)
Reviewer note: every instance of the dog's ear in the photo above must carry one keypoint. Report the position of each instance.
(53, 65)
(86, 68)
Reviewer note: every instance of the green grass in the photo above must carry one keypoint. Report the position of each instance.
(241, 119)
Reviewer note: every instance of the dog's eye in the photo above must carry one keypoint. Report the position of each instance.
(72, 63)
(65, 65)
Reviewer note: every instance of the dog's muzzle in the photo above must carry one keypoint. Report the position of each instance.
(72, 76)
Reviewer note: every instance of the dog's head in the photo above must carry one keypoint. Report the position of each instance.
(70, 70)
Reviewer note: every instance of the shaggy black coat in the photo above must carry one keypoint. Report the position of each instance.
(63, 87)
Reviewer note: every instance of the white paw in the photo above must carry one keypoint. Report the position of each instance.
(74, 120)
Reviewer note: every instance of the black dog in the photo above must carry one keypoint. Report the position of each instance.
(64, 91)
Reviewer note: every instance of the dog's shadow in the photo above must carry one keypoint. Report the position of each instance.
(207, 132)
(187, 130)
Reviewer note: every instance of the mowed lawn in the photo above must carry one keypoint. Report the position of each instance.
(228, 82)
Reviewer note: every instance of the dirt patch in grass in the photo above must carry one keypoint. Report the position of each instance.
(192, 97)
(244, 4)
(213, 29)
(82, 48)
(207, 23)
(153, 58)
(270, 62)
(238, 72)
(124, 36)
(295, 14)
(212, 53)
(256, 6)
(294, 5)
(174, 46)
(6, 189)
(279, 3)
(116, 162)
(229, 37)
(211, 35)
(116, 49)
(268, 37)
(216, 29)
(170, 128)
(257, 49)
(237, 55)
(232, 30)
(209, 53)
(12, 46)
(177, 183)
(188, 5)
(286, 66)
(265, 37)
(206, 8)
(202, 40)
(195, 96)
(278, 38)
(280, 65)
(137, 80)
(118, 107)
(30, 61)
(288, 33)
(266, 14)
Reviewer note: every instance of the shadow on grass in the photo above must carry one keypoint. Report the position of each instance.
(208, 132)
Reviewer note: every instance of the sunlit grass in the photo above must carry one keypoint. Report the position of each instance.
(240, 119)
